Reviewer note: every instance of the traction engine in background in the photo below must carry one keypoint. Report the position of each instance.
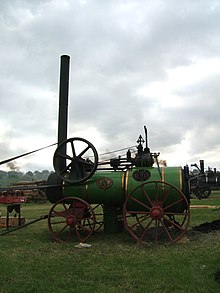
(201, 182)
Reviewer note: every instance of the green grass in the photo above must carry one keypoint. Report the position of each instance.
(206, 215)
(30, 261)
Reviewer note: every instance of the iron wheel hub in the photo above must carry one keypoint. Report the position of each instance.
(71, 220)
(156, 213)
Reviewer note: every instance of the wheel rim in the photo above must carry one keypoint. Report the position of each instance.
(202, 191)
(71, 219)
(75, 160)
(156, 211)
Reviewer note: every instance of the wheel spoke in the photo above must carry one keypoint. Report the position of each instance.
(84, 226)
(84, 151)
(141, 203)
(79, 212)
(139, 222)
(146, 230)
(173, 223)
(60, 231)
(156, 192)
(73, 148)
(78, 235)
(173, 204)
(69, 234)
(59, 214)
(145, 193)
(64, 205)
(58, 222)
(138, 212)
(63, 171)
(166, 193)
(64, 156)
(88, 223)
(166, 230)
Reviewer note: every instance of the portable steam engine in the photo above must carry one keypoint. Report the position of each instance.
(152, 203)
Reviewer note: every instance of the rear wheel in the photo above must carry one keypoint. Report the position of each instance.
(156, 211)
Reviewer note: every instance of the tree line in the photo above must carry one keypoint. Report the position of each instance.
(9, 177)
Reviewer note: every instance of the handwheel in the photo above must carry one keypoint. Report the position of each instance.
(156, 211)
(71, 218)
(75, 160)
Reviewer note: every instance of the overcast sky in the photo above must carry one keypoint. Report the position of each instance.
(133, 63)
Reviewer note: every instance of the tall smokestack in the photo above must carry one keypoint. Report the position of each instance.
(63, 98)
(63, 102)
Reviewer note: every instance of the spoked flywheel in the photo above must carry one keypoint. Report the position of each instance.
(75, 160)
(156, 211)
(71, 218)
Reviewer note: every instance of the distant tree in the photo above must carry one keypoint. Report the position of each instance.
(29, 176)
(13, 176)
(3, 174)
(37, 175)
(45, 174)
(29, 173)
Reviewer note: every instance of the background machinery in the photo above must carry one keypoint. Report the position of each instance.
(202, 182)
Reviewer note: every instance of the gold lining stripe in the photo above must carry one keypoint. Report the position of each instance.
(122, 180)
(163, 173)
(163, 177)
(125, 182)
(181, 179)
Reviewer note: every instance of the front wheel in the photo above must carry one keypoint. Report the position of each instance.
(71, 219)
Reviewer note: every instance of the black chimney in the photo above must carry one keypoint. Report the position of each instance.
(63, 102)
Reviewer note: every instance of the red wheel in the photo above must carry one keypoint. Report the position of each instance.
(71, 218)
(156, 211)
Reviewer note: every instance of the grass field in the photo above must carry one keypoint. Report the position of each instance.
(30, 261)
